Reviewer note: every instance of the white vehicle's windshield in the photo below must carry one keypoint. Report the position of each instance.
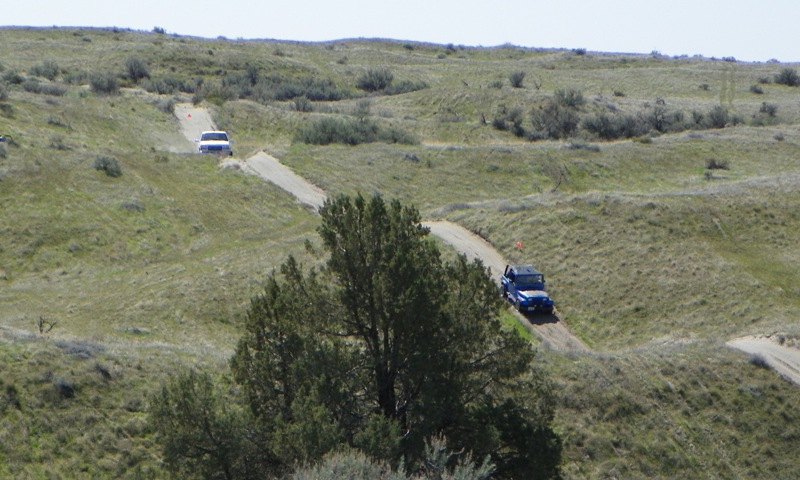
(214, 136)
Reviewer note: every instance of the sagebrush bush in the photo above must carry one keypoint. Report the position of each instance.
(329, 130)
(110, 165)
(34, 86)
(554, 120)
(718, 117)
(516, 78)
(166, 105)
(3, 152)
(351, 131)
(788, 76)
(510, 120)
(13, 78)
(166, 86)
(47, 69)
(375, 79)
(770, 109)
(570, 97)
(136, 69)
(303, 104)
(104, 83)
(612, 127)
(77, 78)
(3, 92)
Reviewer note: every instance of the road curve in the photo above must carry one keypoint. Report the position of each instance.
(784, 360)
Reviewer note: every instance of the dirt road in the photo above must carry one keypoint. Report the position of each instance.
(193, 121)
(551, 329)
(784, 360)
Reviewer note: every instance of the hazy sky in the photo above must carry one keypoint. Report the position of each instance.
(747, 30)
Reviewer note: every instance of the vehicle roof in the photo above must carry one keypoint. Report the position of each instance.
(214, 131)
(525, 270)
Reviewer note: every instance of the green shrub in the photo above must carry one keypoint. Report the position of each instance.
(769, 109)
(788, 76)
(611, 127)
(136, 69)
(34, 86)
(329, 130)
(553, 120)
(718, 117)
(3, 92)
(303, 104)
(47, 69)
(104, 83)
(570, 97)
(77, 78)
(516, 78)
(282, 88)
(374, 80)
(394, 134)
(110, 165)
(166, 105)
(510, 120)
(13, 78)
(351, 131)
(756, 89)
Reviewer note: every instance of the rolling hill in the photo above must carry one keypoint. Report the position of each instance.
(660, 244)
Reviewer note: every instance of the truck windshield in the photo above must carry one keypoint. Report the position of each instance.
(214, 136)
(529, 280)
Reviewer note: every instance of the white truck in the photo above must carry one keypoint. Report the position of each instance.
(215, 141)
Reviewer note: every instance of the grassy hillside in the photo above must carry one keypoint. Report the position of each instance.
(654, 259)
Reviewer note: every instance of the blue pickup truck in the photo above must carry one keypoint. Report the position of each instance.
(523, 286)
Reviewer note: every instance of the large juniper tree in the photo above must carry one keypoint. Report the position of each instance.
(387, 346)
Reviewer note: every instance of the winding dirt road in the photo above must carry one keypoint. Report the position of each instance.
(552, 330)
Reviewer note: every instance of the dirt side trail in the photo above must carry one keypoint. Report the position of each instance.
(784, 360)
